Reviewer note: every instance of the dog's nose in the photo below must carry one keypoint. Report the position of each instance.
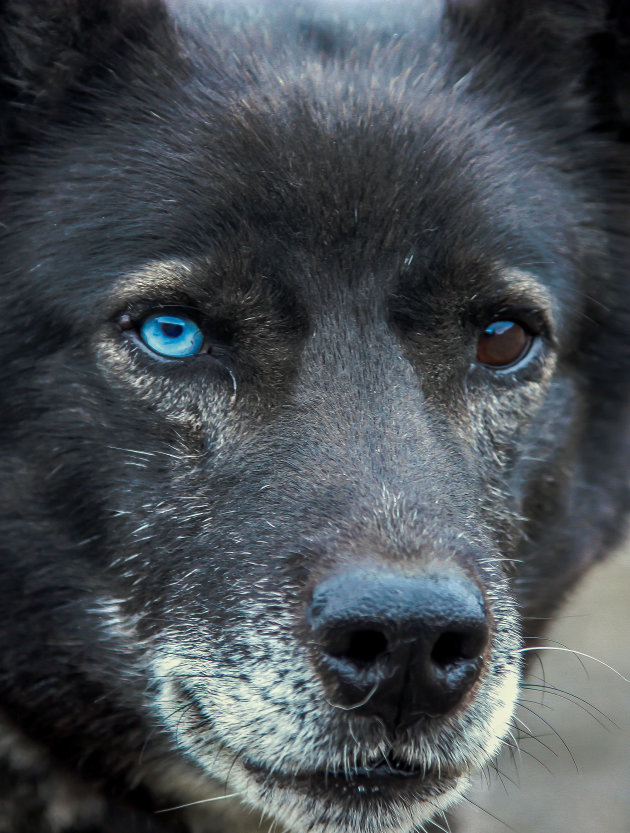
(396, 646)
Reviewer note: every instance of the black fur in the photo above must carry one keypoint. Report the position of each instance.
(344, 198)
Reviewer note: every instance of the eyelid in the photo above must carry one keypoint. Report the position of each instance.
(155, 285)
(137, 311)
(535, 321)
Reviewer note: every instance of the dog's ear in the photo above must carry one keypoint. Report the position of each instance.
(567, 52)
(50, 49)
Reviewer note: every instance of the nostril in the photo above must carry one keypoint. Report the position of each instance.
(453, 647)
(447, 649)
(366, 646)
(358, 646)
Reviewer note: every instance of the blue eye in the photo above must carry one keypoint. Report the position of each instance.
(175, 336)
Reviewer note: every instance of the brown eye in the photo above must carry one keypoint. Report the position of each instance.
(502, 344)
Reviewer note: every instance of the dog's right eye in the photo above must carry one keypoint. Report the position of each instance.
(172, 335)
(502, 344)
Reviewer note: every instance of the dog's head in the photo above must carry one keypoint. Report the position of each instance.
(313, 382)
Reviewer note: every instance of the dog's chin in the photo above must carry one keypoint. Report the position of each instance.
(395, 791)
(389, 797)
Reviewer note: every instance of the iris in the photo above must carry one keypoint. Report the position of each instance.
(174, 336)
(503, 344)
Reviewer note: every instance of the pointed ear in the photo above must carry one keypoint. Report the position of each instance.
(572, 51)
(50, 48)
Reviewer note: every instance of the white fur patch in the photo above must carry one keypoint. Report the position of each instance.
(271, 711)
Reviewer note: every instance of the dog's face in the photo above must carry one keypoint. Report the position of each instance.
(311, 374)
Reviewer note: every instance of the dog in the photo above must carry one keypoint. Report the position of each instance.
(315, 396)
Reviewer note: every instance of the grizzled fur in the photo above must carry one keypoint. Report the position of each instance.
(343, 198)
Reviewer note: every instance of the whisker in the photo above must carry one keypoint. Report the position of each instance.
(576, 654)
(522, 751)
(488, 813)
(435, 824)
(500, 774)
(526, 732)
(193, 803)
(578, 702)
(562, 645)
(355, 705)
(236, 757)
(556, 733)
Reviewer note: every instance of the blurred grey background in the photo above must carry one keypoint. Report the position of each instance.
(585, 788)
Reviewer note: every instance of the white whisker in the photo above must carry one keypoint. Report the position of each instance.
(355, 705)
(577, 654)
(201, 801)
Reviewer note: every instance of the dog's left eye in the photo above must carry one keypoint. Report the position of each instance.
(174, 336)
(503, 344)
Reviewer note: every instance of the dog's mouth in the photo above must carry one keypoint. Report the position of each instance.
(387, 779)
(390, 777)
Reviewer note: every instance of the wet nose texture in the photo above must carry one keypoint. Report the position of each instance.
(398, 647)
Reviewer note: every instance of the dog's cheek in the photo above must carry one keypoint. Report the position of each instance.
(505, 411)
(199, 405)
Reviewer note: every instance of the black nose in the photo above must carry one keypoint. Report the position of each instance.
(397, 646)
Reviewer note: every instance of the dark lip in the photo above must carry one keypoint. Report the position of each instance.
(387, 780)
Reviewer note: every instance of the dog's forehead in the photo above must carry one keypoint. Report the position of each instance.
(353, 177)
(351, 181)
(309, 173)
(313, 205)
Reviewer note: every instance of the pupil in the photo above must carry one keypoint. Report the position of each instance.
(171, 330)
